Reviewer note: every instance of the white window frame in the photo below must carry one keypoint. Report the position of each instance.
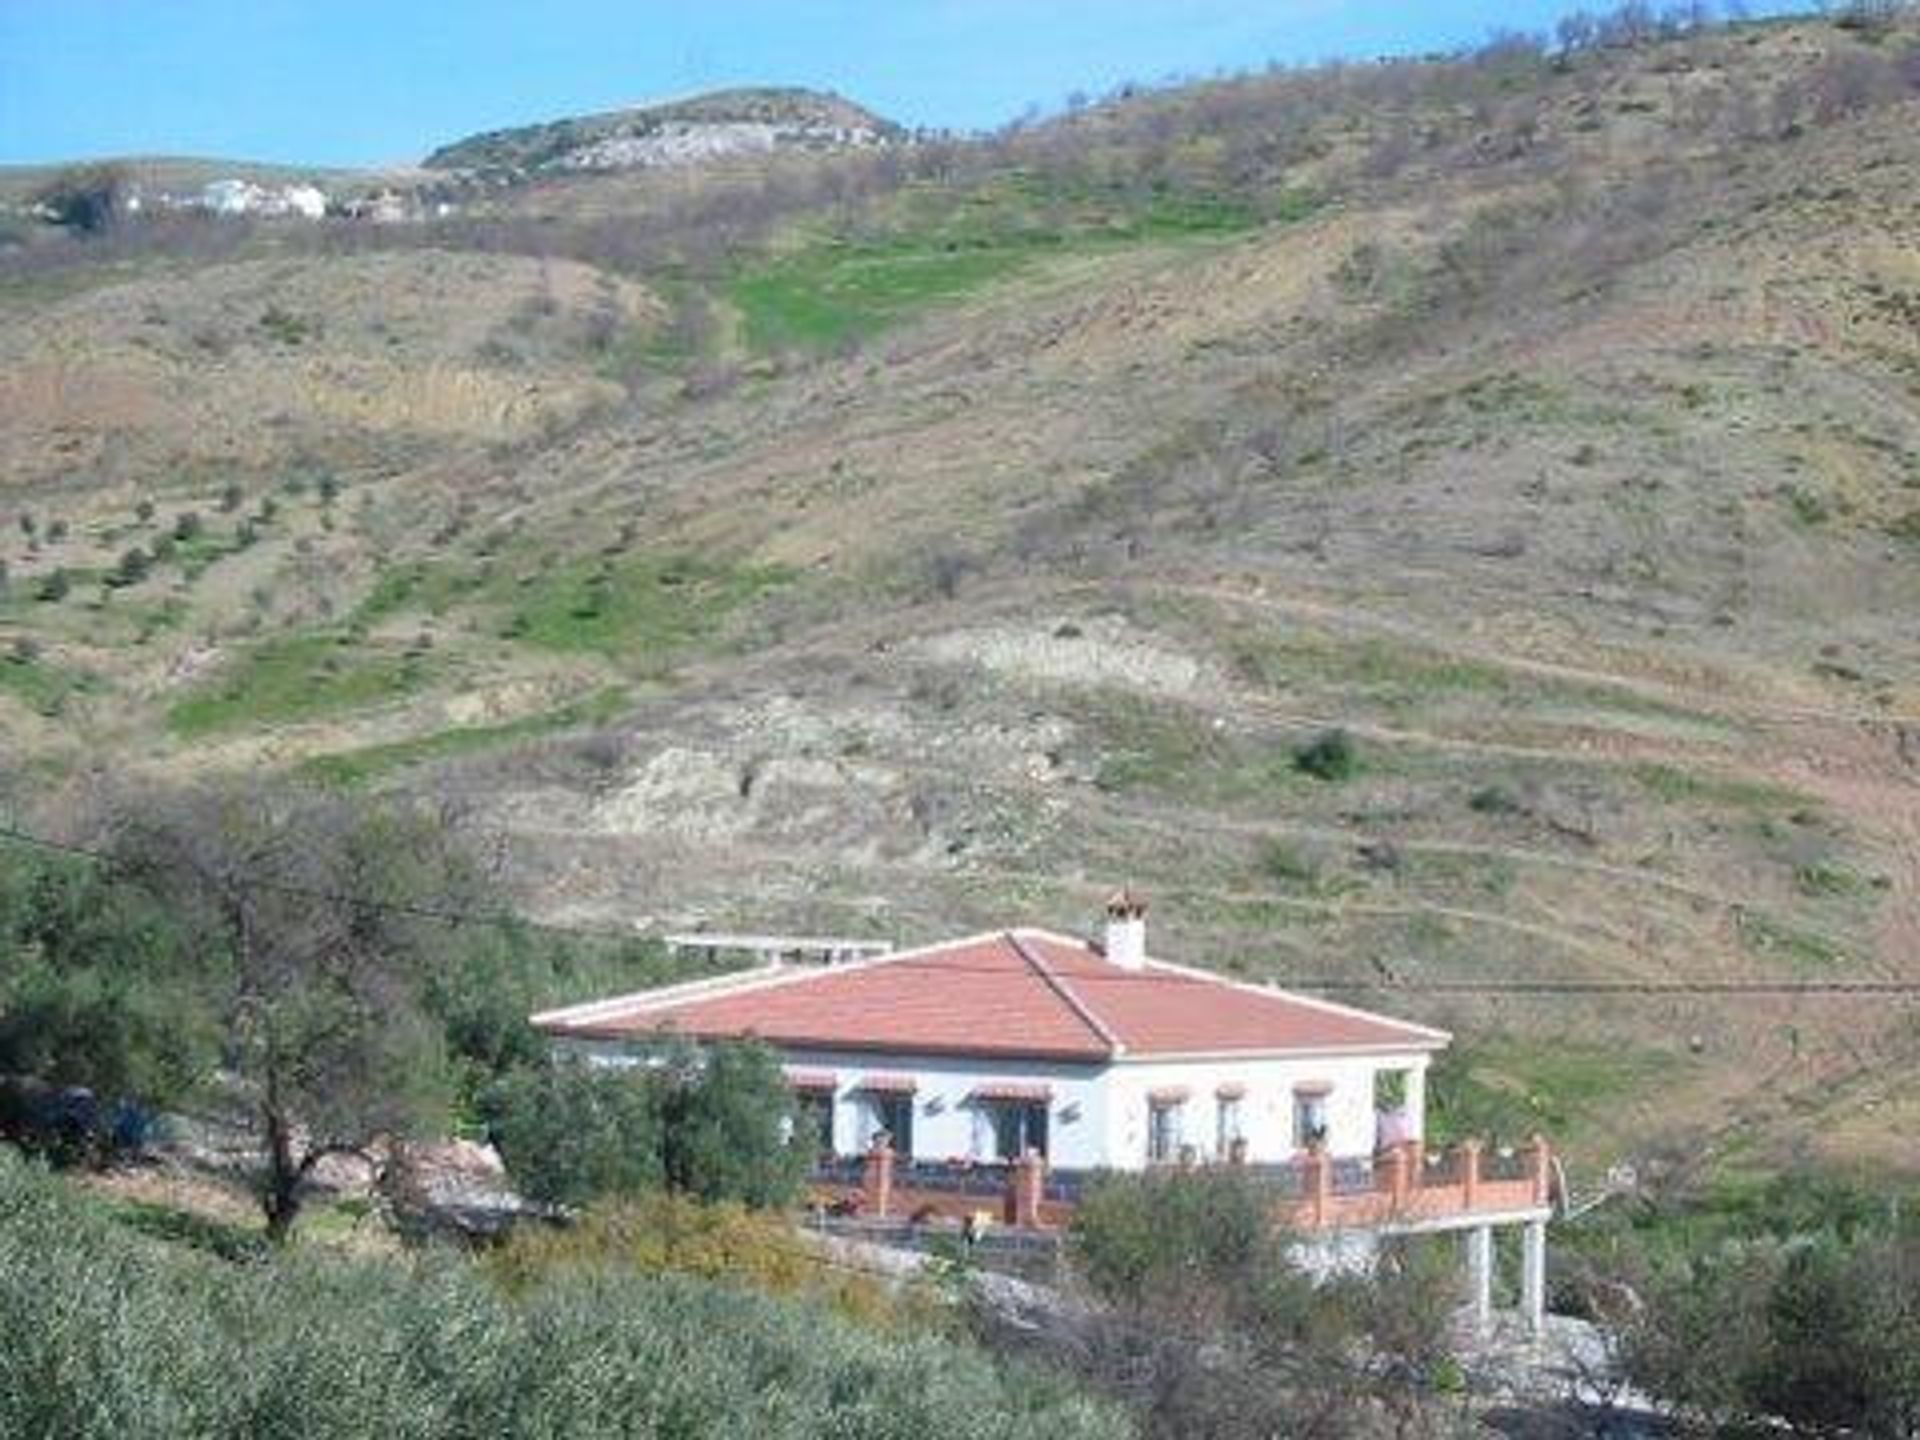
(1175, 1132)
(1229, 1122)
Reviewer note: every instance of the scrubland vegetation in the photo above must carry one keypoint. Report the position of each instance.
(111, 1335)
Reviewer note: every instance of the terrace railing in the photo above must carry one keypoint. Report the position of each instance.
(1401, 1186)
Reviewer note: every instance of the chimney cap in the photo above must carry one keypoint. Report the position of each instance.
(1126, 903)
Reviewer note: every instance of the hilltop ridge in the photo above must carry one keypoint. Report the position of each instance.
(713, 124)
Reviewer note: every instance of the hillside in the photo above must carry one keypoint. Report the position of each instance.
(703, 127)
(924, 538)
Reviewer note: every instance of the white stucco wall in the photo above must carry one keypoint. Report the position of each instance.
(1098, 1115)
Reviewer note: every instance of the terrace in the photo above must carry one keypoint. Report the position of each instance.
(1403, 1189)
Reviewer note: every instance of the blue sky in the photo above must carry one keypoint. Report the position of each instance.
(357, 82)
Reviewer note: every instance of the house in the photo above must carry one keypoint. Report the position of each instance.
(1093, 1055)
(1022, 1060)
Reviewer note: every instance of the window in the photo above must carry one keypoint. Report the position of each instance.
(1164, 1127)
(813, 1119)
(1226, 1124)
(1309, 1117)
(894, 1114)
(1018, 1126)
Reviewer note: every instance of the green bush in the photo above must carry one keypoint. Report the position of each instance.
(572, 1131)
(712, 1125)
(1819, 1331)
(111, 1336)
(1138, 1236)
(1214, 1327)
(1330, 755)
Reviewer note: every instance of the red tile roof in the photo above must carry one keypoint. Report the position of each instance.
(1025, 992)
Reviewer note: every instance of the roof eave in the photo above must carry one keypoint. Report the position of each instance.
(1284, 1052)
(664, 1033)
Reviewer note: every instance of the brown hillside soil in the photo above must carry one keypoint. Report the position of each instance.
(1569, 462)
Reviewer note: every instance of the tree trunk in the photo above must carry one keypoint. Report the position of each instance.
(280, 1195)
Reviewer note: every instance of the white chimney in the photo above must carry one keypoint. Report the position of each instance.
(1127, 930)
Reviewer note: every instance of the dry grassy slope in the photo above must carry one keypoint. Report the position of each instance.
(1586, 522)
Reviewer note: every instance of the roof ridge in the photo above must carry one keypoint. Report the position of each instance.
(1058, 984)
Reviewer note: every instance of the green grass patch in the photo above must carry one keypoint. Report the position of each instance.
(832, 293)
(1504, 1088)
(296, 678)
(199, 552)
(941, 246)
(642, 610)
(358, 767)
(417, 586)
(639, 608)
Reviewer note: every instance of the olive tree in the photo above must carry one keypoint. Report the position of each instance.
(321, 918)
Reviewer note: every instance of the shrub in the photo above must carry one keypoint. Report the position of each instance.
(712, 1124)
(1137, 1237)
(1494, 800)
(1329, 756)
(133, 567)
(572, 1131)
(1818, 1331)
(87, 199)
(663, 1234)
(54, 587)
(112, 1335)
(1215, 1329)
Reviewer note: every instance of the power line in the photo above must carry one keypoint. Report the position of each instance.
(1776, 989)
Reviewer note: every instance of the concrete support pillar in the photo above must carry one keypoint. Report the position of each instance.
(1469, 1156)
(876, 1179)
(1416, 1101)
(1533, 1276)
(1317, 1172)
(1026, 1187)
(1540, 1169)
(1395, 1163)
(1480, 1277)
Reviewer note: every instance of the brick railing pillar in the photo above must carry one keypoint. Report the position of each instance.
(1416, 1163)
(1469, 1153)
(1317, 1172)
(1396, 1168)
(1540, 1169)
(1026, 1186)
(876, 1179)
